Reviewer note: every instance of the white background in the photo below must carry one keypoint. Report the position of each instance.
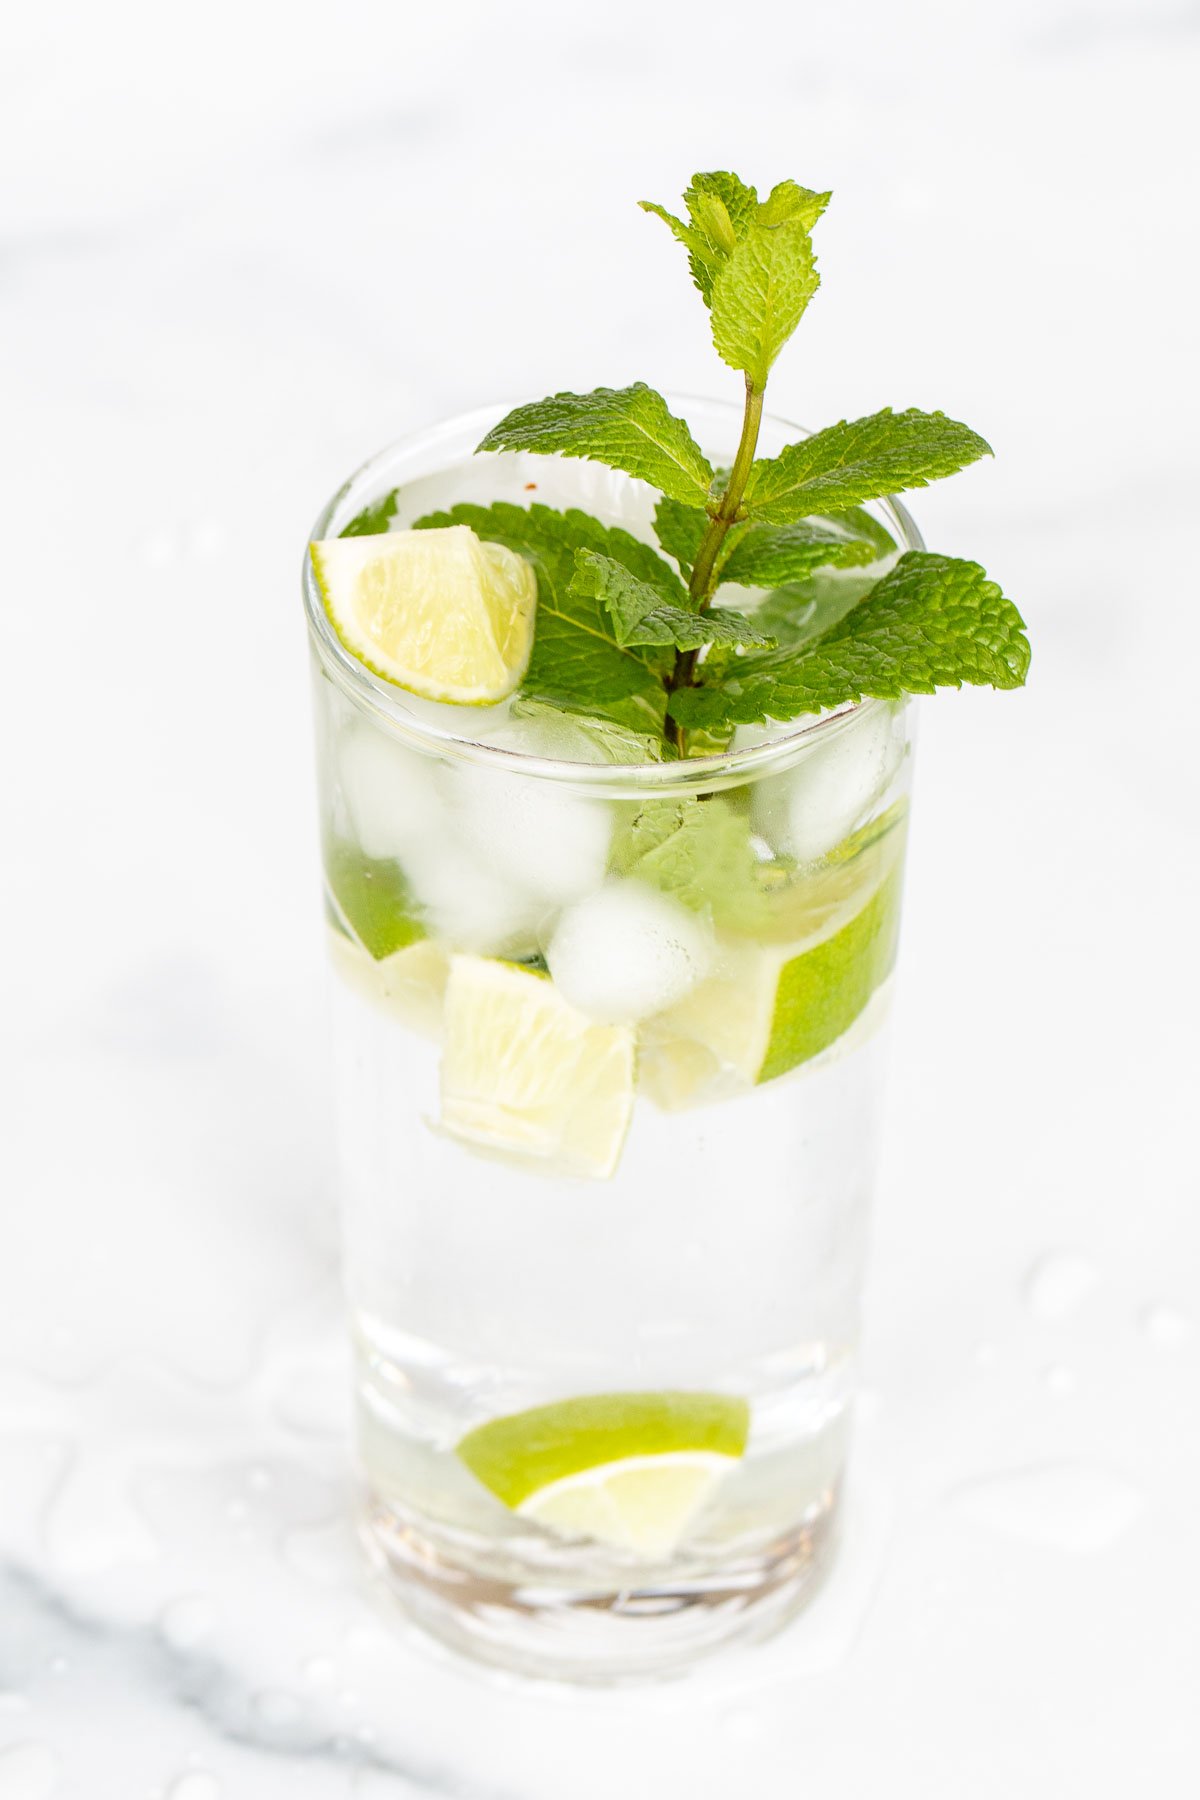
(241, 246)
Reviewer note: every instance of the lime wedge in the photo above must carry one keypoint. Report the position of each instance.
(372, 898)
(436, 612)
(523, 1073)
(628, 1470)
(771, 1007)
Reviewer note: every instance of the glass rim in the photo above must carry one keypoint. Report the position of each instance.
(372, 694)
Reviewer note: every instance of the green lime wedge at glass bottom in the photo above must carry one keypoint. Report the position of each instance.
(629, 1470)
(773, 1006)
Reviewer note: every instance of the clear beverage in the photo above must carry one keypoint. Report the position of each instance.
(609, 1044)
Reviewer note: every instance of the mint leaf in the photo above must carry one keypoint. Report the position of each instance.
(680, 530)
(759, 294)
(703, 257)
(737, 198)
(580, 737)
(932, 621)
(641, 616)
(720, 206)
(862, 459)
(700, 853)
(577, 663)
(788, 200)
(625, 428)
(767, 554)
(373, 518)
(799, 611)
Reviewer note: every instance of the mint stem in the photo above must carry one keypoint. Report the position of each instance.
(704, 570)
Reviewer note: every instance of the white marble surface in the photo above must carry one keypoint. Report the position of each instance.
(242, 246)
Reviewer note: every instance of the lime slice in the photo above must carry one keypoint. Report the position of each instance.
(436, 612)
(771, 1007)
(408, 984)
(525, 1074)
(629, 1470)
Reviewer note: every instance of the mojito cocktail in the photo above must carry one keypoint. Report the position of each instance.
(614, 791)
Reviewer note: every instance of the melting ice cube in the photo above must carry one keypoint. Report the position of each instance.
(812, 807)
(551, 843)
(389, 792)
(626, 951)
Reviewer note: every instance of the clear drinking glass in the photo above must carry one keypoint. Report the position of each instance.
(604, 1222)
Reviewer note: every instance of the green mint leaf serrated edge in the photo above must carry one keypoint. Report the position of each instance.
(759, 295)
(641, 616)
(373, 518)
(932, 621)
(631, 429)
(860, 459)
(577, 663)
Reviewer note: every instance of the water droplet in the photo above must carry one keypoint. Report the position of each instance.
(987, 1355)
(186, 1622)
(319, 1671)
(58, 1665)
(1062, 1506)
(236, 1511)
(277, 1709)
(1059, 1379)
(198, 1784)
(258, 1480)
(27, 1772)
(1165, 1326)
(1058, 1283)
(365, 1734)
(348, 1699)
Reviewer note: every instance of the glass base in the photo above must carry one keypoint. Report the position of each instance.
(604, 1638)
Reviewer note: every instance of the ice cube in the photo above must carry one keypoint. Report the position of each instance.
(389, 792)
(551, 844)
(627, 951)
(466, 904)
(812, 807)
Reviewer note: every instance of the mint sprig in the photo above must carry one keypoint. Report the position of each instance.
(649, 642)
